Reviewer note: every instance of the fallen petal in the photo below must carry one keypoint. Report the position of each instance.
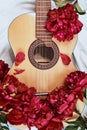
(65, 59)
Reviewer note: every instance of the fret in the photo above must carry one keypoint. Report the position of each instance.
(42, 10)
(40, 29)
(38, 26)
(44, 39)
(43, 6)
(41, 15)
(48, 41)
(41, 21)
(47, 37)
(42, 1)
(44, 33)
(45, 10)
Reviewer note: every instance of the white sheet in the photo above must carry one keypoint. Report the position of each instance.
(9, 9)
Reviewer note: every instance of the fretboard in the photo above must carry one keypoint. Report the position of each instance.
(42, 8)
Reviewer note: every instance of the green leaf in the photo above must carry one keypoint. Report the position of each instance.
(80, 122)
(3, 119)
(85, 93)
(85, 118)
(85, 101)
(83, 128)
(1, 128)
(77, 111)
(4, 128)
(78, 8)
(71, 128)
(76, 123)
(61, 3)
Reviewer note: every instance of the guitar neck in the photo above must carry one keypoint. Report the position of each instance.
(42, 8)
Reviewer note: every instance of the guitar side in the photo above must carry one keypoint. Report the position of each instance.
(21, 36)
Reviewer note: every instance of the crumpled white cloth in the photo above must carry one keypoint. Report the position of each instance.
(80, 51)
(10, 9)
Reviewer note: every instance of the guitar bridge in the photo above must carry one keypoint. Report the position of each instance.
(41, 94)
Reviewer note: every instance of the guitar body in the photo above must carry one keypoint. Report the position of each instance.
(42, 66)
(21, 37)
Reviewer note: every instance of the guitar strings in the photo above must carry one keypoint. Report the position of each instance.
(42, 50)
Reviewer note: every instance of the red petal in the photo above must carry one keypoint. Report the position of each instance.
(20, 57)
(70, 97)
(10, 89)
(3, 102)
(62, 108)
(53, 126)
(65, 59)
(18, 71)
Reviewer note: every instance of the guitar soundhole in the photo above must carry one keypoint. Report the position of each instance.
(43, 55)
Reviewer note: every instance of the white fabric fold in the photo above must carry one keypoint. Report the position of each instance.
(10, 9)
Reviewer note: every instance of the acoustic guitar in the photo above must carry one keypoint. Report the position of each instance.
(43, 67)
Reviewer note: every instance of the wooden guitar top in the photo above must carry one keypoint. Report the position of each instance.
(21, 36)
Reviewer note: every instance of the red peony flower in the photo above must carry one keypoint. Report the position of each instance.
(16, 117)
(76, 77)
(61, 100)
(77, 82)
(11, 80)
(63, 23)
(3, 69)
